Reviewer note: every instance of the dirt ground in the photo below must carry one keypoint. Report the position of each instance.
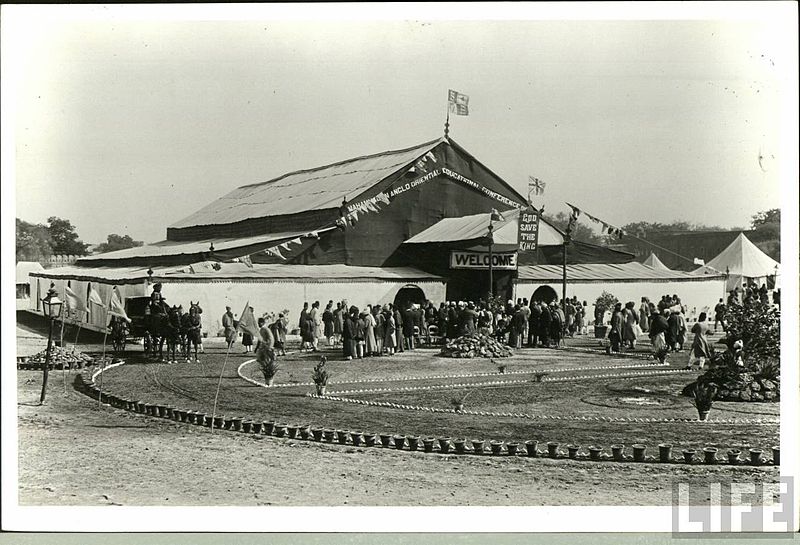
(111, 457)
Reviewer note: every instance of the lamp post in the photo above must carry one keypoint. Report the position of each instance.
(490, 240)
(52, 309)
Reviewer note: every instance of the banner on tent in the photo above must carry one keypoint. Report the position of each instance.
(528, 230)
(461, 259)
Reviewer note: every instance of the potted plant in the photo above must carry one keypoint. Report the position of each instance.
(638, 452)
(280, 430)
(257, 428)
(320, 376)
(386, 439)
(317, 433)
(512, 448)
(269, 368)
(530, 447)
(329, 435)
(572, 451)
(710, 455)
(427, 443)
(755, 456)
(703, 399)
(269, 427)
(552, 449)
(399, 441)
(291, 431)
(496, 446)
(537, 377)
(733, 456)
(370, 439)
(460, 445)
(617, 452)
(604, 302)
(664, 452)
(236, 424)
(304, 432)
(341, 436)
(247, 426)
(501, 367)
(413, 442)
(478, 445)
(444, 445)
(688, 455)
(594, 453)
(776, 456)
(357, 438)
(661, 354)
(458, 402)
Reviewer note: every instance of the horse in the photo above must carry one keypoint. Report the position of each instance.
(192, 327)
(157, 328)
(171, 334)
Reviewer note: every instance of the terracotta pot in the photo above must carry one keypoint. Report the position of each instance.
(552, 449)
(512, 448)
(162, 411)
(427, 444)
(618, 452)
(317, 433)
(291, 431)
(370, 439)
(269, 427)
(460, 445)
(169, 413)
(733, 456)
(257, 427)
(688, 455)
(776, 456)
(329, 435)
(386, 440)
(444, 445)
(357, 438)
(413, 442)
(664, 453)
(572, 451)
(702, 415)
(321, 390)
(140, 406)
(530, 447)
(341, 436)
(638, 452)
(710, 455)
(228, 423)
(497, 447)
(594, 453)
(236, 424)
(478, 446)
(207, 420)
(304, 433)
(280, 430)
(755, 456)
(399, 442)
(219, 421)
(247, 426)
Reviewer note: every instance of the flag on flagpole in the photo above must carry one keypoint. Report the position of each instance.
(535, 185)
(458, 102)
(115, 307)
(698, 261)
(94, 298)
(73, 301)
(247, 322)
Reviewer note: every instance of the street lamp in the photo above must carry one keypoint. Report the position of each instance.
(52, 310)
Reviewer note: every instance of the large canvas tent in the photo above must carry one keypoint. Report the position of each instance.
(653, 261)
(741, 261)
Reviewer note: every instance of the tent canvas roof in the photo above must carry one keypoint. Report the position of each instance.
(303, 190)
(239, 271)
(653, 261)
(605, 272)
(741, 258)
(476, 225)
(24, 268)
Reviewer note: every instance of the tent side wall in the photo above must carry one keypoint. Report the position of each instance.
(276, 296)
(700, 295)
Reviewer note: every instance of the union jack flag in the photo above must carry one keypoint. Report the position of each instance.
(535, 185)
(459, 103)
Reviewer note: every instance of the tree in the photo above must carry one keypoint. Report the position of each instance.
(33, 241)
(116, 242)
(767, 232)
(65, 239)
(767, 217)
(580, 232)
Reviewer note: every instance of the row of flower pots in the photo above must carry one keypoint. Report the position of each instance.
(444, 445)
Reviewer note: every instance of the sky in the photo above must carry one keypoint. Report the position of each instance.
(126, 123)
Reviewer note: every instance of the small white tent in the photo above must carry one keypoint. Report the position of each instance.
(653, 261)
(742, 260)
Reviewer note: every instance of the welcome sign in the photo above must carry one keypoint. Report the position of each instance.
(463, 259)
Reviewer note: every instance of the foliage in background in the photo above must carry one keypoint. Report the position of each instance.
(580, 231)
(606, 300)
(767, 232)
(116, 242)
(33, 241)
(65, 240)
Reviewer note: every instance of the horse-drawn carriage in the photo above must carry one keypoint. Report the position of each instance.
(157, 324)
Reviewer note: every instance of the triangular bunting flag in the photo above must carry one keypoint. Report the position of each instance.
(116, 308)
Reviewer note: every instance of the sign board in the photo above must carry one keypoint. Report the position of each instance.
(528, 230)
(463, 259)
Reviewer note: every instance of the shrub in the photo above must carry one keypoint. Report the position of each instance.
(606, 300)
(758, 326)
(268, 366)
(320, 375)
(703, 396)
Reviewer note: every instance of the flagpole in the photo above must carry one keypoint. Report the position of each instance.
(105, 334)
(63, 372)
(447, 122)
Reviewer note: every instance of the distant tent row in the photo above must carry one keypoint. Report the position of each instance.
(742, 261)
